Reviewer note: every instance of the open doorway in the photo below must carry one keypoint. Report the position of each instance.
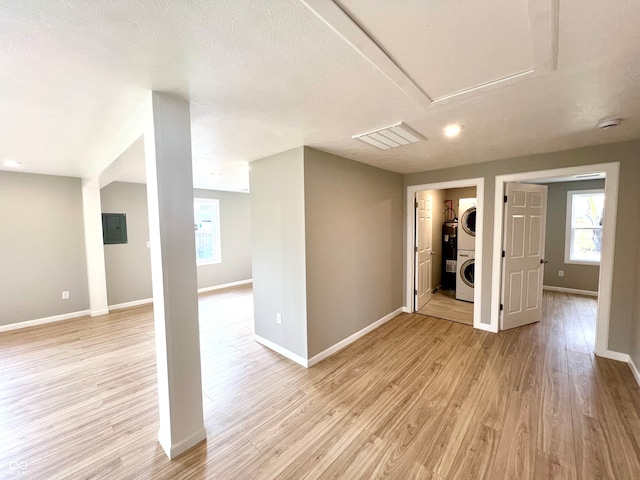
(605, 238)
(426, 276)
(445, 235)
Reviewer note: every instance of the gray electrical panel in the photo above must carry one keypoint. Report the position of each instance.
(114, 228)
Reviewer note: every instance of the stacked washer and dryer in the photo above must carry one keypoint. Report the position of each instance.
(466, 249)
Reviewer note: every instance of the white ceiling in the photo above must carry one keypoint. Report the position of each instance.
(449, 47)
(264, 76)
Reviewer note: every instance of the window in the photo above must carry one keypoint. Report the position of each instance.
(206, 214)
(583, 240)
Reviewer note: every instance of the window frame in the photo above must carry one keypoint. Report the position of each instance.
(217, 247)
(569, 229)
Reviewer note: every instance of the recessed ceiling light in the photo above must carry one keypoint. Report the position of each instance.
(393, 136)
(452, 130)
(216, 175)
(11, 163)
(244, 166)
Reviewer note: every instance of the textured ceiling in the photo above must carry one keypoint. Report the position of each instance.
(264, 76)
(444, 46)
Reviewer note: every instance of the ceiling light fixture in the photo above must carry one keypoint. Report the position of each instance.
(243, 166)
(609, 123)
(452, 130)
(393, 136)
(11, 163)
(216, 175)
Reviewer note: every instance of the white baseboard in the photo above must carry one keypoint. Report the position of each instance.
(146, 301)
(352, 338)
(225, 285)
(611, 355)
(486, 327)
(622, 357)
(43, 321)
(96, 313)
(570, 290)
(406, 310)
(173, 450)
(281, 350)
(634, 370)
(135, 303)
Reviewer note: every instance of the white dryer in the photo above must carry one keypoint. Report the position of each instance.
(467, 224)
(465, 275)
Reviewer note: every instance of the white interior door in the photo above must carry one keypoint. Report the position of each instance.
(523, 251)
(424, 250)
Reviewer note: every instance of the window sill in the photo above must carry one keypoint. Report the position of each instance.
(213, 262)
(582, 262)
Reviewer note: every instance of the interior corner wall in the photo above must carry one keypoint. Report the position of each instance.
(581, 277)
(42, 249)
(128, 265)
(353, 217)
(455, 194)
(627, 229)
(235, 240)
(278, 250)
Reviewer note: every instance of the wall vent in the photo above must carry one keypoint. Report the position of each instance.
(393, 136)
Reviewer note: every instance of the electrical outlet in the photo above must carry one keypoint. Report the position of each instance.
(278, 319)
(148, 244)
(561, 273)
(65, 295)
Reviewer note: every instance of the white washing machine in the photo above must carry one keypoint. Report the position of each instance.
(465, 275)
(467, 224)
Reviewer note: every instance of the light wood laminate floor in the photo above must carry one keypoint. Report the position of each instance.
(443, 304)
(417, 398)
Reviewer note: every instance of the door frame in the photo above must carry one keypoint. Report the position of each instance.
(605, 283)
(410, 243)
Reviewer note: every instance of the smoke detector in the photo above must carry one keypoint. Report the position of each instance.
(607, 124)
(393, 136)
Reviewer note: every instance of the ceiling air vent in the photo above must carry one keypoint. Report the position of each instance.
(609, 123)
(393, 136)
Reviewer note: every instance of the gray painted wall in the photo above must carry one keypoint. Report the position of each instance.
(235, 230)
(128, 266)
(634, 351)
(278, 249)
(41, 247)
(628, 154)
(455, 194)
(582, 277)
(353, 219)
(437, 219)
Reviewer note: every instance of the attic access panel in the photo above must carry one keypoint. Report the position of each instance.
(114, 228)
(448, 48)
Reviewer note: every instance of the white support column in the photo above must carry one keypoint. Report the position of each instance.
(94, 249)
(167, 141)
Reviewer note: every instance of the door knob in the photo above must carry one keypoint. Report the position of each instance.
(433, 253)
(543, 261)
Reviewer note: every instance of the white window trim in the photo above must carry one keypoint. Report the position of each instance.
(217, 226)
(569, 230)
